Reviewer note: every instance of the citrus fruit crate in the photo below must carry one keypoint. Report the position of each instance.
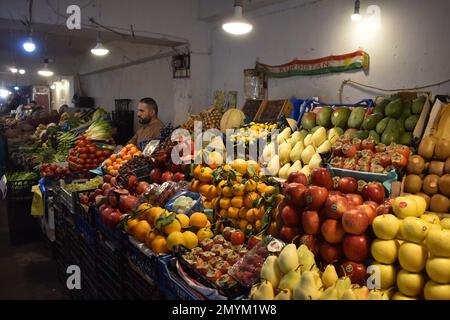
(171, 285)
(137, 287)
(142, 258)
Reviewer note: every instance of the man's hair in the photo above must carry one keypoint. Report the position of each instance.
(151, 103)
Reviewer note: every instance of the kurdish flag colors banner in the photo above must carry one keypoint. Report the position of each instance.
(331, 64)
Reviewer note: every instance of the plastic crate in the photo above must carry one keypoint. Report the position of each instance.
(110, 257)
(171, 285)
(118, 237)
(142, 258)
(86, 232)
(20, 190)
(137, 287)
(71, 199)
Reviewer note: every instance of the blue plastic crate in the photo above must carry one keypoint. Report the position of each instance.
(116, 236)
(87, 232)
(171, 285)
(142, 258)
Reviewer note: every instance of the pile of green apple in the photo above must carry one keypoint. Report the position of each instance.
(293, 275)
(412, 250)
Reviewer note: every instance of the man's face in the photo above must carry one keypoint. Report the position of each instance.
(145, 113)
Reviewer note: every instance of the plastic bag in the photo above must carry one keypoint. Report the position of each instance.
(179, 203)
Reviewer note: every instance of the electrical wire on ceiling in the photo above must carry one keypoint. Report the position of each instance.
(117, 30)
(358, 84)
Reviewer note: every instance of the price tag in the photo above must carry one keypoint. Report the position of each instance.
(150, 148)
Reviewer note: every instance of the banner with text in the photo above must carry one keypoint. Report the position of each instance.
(331, 64)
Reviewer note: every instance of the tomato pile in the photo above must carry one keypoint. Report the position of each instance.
(366, 155)
(86, 155)
(49, 170)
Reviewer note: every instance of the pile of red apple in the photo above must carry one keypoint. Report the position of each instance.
(332, 217)
(114, 201)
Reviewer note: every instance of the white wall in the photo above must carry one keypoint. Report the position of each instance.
(411, 47)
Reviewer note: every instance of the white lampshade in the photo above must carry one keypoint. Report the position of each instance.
(99, 50)
(237, 25)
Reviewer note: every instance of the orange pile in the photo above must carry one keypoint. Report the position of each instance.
(115, 161)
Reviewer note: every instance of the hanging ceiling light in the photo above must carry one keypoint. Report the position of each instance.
(356, 16)
(16, 88)
(46, 72)
(237, 25)
(29, 45)
(13, 70)
(99, 49)
(21, 71)
(53, 87)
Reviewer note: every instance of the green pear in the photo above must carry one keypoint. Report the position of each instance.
(306, 288)
(296, 152)
(361, 293)
(348, 295)
(271, 272)
(288, 260)
(329, 294)
(296, 167)
(342, 284)
(329, 276)
(284, 152)
(290, 279)
(306, 258)
(317, 278)
(296, 137)
(284, 171)
(377, 295)
(264, 292)
(284, 295)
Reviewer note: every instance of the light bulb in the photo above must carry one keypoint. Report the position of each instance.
(13, 70)
(53, 87)
(99, 50)
(356, 17)
(22, 71)
(237, 25)
(4, 93)
(16, 88)
(29, 45)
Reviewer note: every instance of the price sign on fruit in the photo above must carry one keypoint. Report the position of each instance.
(150, 148)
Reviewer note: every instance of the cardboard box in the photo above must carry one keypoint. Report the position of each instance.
(435, 115)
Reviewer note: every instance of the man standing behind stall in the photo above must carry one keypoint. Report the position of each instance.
(151, 125)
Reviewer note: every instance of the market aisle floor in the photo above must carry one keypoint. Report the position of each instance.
(26, 271)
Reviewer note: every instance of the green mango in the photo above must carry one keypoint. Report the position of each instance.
(356, 117)
(410, 122)
(392, 133)
(405, 138)
(381, 106)
(323, 117)
(361, 134)
(394, 109)
(381, 126)
(371, 121)
(374, 135)
(308, 120)
(406, 108)
(340, 117)
(417, 105)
